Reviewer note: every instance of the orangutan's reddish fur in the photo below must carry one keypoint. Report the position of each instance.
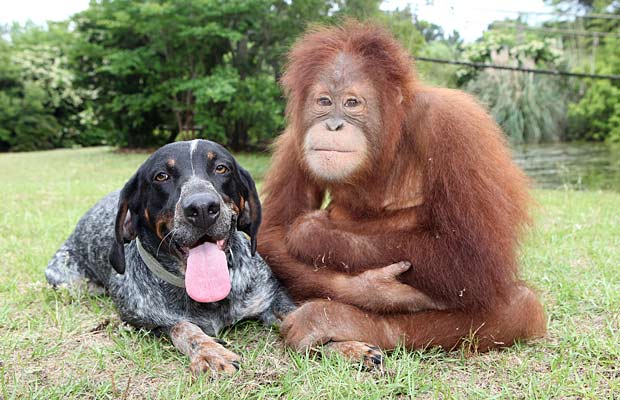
(440, 191)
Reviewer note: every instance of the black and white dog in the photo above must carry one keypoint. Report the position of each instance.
(167, 250)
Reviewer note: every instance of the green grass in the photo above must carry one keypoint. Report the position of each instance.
(56, 344)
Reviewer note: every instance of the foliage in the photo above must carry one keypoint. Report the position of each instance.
(250, 106)
(516, 52)
(437, 45)
(444, 75)
(358, 9)
(594, 112)
(581, 5)
(148, 60)
(142, 73)
(40, 105)
(530, 108)
(431, 32)
(199, 68)
(597, 115)
(401, 24)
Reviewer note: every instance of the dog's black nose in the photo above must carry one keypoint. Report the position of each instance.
(201, 209)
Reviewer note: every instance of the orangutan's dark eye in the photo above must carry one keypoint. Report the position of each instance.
(161, 177)
(352, 102)
(324, 101)
(221, 169)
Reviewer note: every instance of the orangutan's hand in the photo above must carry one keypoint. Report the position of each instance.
(301, 239)
(380, 290)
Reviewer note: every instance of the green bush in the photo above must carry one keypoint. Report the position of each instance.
(444, 75)
(596, 116)
(239, 113)
(529, 108)
(40, 105)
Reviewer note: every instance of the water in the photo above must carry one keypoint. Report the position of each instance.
(579, 166)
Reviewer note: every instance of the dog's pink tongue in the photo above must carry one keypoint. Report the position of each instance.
(206, 277)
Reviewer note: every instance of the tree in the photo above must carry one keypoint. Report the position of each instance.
(359, 9)
(596, 116)
(401, 24)
(40, 107)
(444, 75)
(431, 32)
(595, 113)
(164, 68)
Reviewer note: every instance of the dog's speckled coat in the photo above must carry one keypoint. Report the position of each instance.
(145, 300)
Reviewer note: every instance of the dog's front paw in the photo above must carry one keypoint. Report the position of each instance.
(215, 359)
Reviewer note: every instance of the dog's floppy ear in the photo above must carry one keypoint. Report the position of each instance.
(250, 212)
(125, 225)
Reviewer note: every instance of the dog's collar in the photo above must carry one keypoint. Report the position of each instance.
(158, 269)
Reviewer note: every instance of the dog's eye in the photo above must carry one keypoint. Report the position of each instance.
(162, 176)
(221, 169)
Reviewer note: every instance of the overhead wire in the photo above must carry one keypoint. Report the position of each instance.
(521, 69)
(553, 72)
(554, 30)
(556, 13)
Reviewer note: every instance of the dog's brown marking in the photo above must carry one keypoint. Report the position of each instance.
(204, 352)
(241, 203)
(162, 222)
(170, 163)
(158, 229)
(147, 216)
(210, 155)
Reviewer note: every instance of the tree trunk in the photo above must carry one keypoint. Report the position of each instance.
(184, 117)
(173, 136)
(239, 137)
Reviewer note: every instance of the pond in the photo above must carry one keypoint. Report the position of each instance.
(579, 166)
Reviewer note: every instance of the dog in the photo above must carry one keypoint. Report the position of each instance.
(168, 249)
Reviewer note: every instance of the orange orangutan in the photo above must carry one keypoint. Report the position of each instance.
(418, 244)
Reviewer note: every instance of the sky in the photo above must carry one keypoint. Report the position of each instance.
(470, 18)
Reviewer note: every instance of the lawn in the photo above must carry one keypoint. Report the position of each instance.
(56, 344)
